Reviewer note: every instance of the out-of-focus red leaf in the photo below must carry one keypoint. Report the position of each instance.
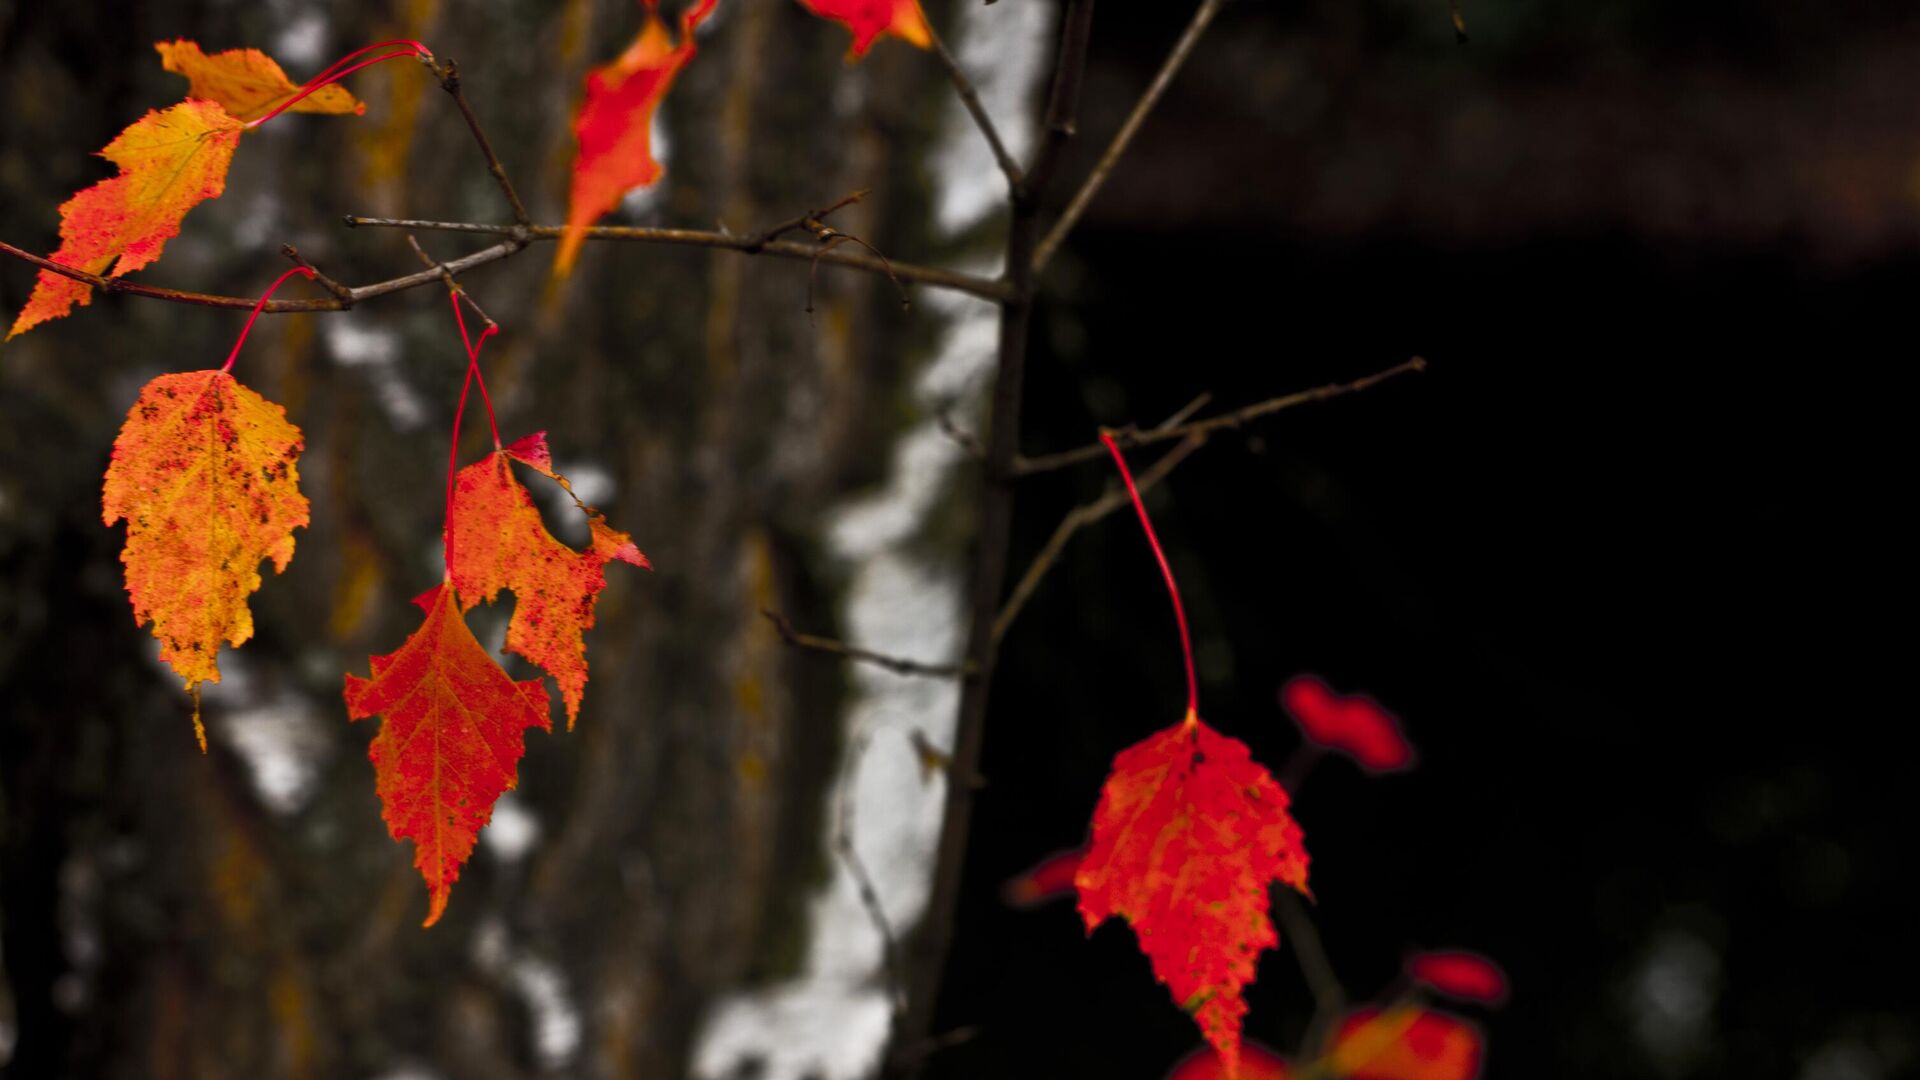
(1189, 834)
(615, 123)
(1256, 1063)
(1405, 1043)
(1353, 724)
(868, 19)
(1460, 973)
(1049, 879)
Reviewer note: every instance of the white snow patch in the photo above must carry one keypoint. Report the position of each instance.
(1005, 50)
(513, 831)
(283, 744)
(300, 41)
(832, 1021)
(356, 345)
(556, 1022)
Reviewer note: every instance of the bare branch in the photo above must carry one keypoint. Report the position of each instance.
(1063, 99)
(971, 99)
(869, 896)
(1130, 437)
(1161, 80)
(986, 288)
(897, 665)
(454, 287)
(1079, 517)
(449, 76)
(965, 439)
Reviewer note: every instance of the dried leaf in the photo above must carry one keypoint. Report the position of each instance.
(247, 83)
(205, 473)
(868, 19)
(170, 161)
(1189, 833)
(450, 742)
(497, 541)
(614, 126)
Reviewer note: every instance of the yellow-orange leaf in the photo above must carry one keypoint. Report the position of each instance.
(247, 82)
(868, 19)
(205, 473)
(615, 122)
(496, 540)
(451, 743)
(170, 161)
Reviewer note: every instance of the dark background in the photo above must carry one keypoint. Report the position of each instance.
(1623, 559)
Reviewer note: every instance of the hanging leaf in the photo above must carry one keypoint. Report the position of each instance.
(1461, 974)
(450, 742)
(1256, 1063)
(1050, 878)
(614, 127)
(247, 83)
(1353, 724)
(868, 19)
(205, 473)
(1189, 834)
(170, 161)
(497, 541)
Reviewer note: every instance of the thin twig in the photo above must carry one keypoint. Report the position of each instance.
(986, 288)
(965, 439)
(1091, 186)
(338, 290)
(449, 75)
(1063, 99)
(1078, 518)
(454, 287)
(897, 665)
(863, 882)
(812, 221)
(971, 99)
(1130, 437)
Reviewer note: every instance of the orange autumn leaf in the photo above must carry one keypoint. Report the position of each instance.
(868, 19)
(247, 82)
(451, 739)
(170, 161)
(1188, 836)
(1406, 1042)
(204, 472)
(497, 541)
(615, 124)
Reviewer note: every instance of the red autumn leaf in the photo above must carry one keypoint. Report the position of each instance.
(1353, 724)
(1188, 836)
(868, 19)
(1405, 1043)
(1256, 1063)
(170, 161)
(450, 742)
(1461, 974)
(615, 124)
(247, 83)
(1052, 877)
(497, 541)
(205, 473)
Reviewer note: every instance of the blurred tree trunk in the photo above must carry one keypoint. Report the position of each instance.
(160, 917)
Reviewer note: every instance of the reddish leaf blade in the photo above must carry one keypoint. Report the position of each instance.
(1189, 834)
(1353, 724)
(1049, 879)
(1256, 1063)
(1405, 1043)
(1461, 974)
(247, 82)
(205, 472)
(496, 541)
(170, 161)
(450, 742)
(615, 122)
(868, 19)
